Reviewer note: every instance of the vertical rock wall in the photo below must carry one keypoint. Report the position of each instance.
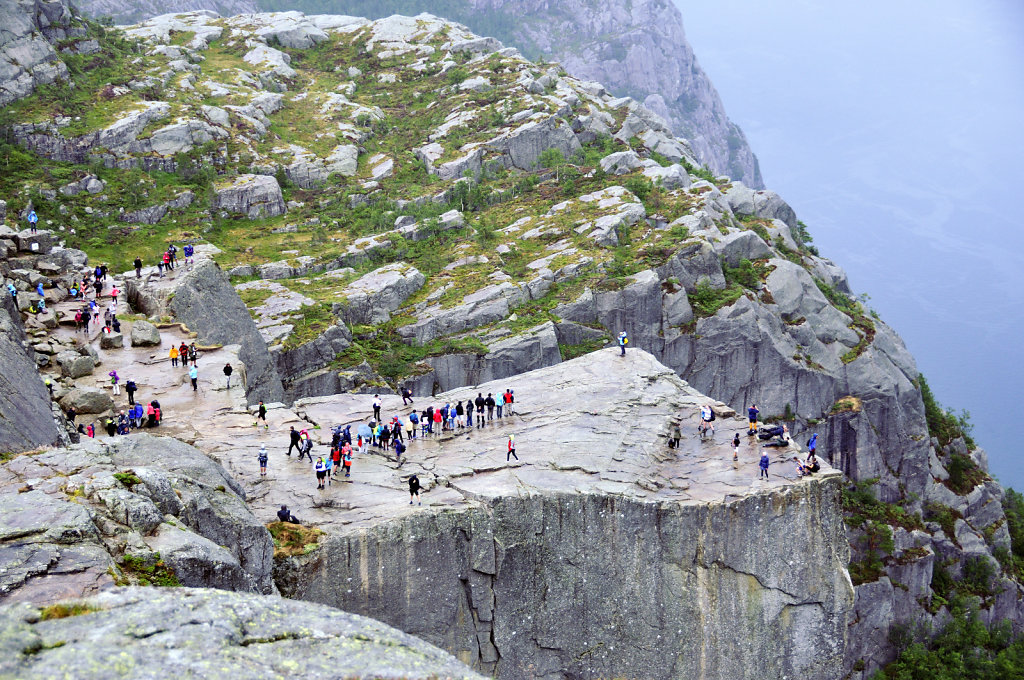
(588, 586)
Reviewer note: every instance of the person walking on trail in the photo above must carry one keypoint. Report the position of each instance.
(307, 446)
(261, 415)
(33, 220)
(384, 436)
(396, 428)
(438, 420)
(295, 440)
(160, 267)
(765, 462)
(263, 460)
(328, 467)
(193, 374)
(406, 396)
(736, 447)
(414, 421)
(399, 450)
(321, 472)
(623, 341)
(346, 458)
(480, 401)
(489, 403)
(460, 415)
(227, 373)
(174, 356)
(675, 436)
(138, 267)
(193, 353)
(509, 398)
(190, 251)
(414, 490)
(183, 354)
(511, 448)
(707, 419)
(114, 292)
(114, 380)
(499, 404)
(130, 388)
(469, 413)
(812, 444)
(336, 459)
(376, 407)
(173, 250)
(752, 414)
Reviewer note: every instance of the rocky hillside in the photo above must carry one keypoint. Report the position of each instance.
(401, 202)
(636, 49)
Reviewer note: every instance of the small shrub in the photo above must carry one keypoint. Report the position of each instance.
(127, 478)
(66, 610)
(293, 539)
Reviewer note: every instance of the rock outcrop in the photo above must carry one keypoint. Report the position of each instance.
(210, 634)
(27, 55)
(74, 521)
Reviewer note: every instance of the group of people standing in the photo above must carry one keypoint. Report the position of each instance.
(168, 260)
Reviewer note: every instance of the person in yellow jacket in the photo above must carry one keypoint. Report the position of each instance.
(174, 355)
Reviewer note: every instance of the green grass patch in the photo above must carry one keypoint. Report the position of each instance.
(66, 610)
(573, 351)
(129, 479)
(706, 300)
(294, 539)
(142, 572)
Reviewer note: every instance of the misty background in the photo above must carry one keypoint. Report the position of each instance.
(896, 130)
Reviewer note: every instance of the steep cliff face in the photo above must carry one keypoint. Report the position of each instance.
(31, 30)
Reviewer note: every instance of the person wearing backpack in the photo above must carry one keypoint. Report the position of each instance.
(336, 459)
(33, 220)
(130, 387)
(707, 419)
(752, 414)
(623, 341)
(812, 444)
(480, 401)
(414, 421)
(263, 460)
(414, 490)
(138, 267)
(399, 450)
(346, 458)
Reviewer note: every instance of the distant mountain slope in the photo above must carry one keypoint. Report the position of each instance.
(635, 48)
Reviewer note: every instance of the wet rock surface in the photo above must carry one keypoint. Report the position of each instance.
(141, 632)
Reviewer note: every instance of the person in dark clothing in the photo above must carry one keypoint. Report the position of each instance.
(385, 435)
(765, 462)
(111, 428)
(489, 402)
(72, 413)
(138, 268)
(261, 414)
(227, 373)
(752, 414)
(480, 401)
(285, 515)
(414, 490)
(430, 419)
(295, 441)
(406, 396)
(130, 388)
(399, 450)
(460, 414)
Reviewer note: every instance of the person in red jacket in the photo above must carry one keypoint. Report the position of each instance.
(511, 448)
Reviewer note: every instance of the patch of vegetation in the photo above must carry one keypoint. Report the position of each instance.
(1012, 559)
(294, 539)
(847, 404)
(964, 650)
(572, 351)
(129, 479)
(66, 609)
(147, 572)
(860, 506)
(748, 274)
(943, 424)
(706, 300)
(393, 357)
(964, 474)
(862, 323)
(944, 516)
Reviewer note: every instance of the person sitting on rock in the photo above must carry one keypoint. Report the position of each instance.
(781, 440)
(811, 465)
(285, 515)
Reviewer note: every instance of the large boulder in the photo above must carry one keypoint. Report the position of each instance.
(525, 144)
(620, 162)
(75, 365)
(87, 400)
(251, 195)
(206, 302)
(145, 334)
(200, 633)
(26, 421)
(29, 60)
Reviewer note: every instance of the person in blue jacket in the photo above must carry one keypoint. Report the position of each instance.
(752, 414)
(812, 443)
(623, 341)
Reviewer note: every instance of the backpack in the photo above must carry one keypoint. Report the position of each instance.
(130, 386)
(712, 415)
(413, 418)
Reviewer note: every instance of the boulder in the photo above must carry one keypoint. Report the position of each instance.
(144, 334)
(87, 400)
(251, 195)
(74, 365)
(208, 633)
(206, 302)
(672, 177)
(111, 341)
(198, 561)
(524, 145)
(620, 162)
(29, 58)
(370, 299)
(292, 30)
(741, 245)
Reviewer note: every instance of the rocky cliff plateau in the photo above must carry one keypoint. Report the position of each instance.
(402, 203)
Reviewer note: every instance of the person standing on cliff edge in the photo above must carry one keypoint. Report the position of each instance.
(623, 341)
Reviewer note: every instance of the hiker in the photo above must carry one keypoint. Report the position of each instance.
(138, 267)
(115, 325)
(707, 420)
(499, 404)
(107, 316)
(174, 356)
(406, 396)
(307, 446)
(736, 447)
(460, 414)
(511, 448)
(765, 462)
(752, 414)
(489, 403)
(130, 388)
(336, 459)
(346, 458)
(328, 466)
(33, 220)
(295, 440)
(183, 354)
(49, 387)
(812, 444)
(114, 379)
(321, 472)
(437, 422)
(150, 415)
(261, 414)
(160, 267)
(263, 460)
(414, 421)
(509, 398)
(39, 289)
(227, 372)
(376, 407)
(173, 251)
(675, 436)
(769, 432)
(399, 450)
(114, 292)
(167, 261)
(623, 341)
(98, 285)
(425, 422)
(781, 440)
(480, 401)
(414, 490)
(811, 464)
(111, 428)
(189, 252)
(396, 429)
(193, 375)
(193, 353)
(285, 515)
(14, 293)
(72, 413)
(469, 413)
(90, 431)
(384, 436)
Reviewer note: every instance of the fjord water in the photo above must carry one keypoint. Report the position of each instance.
(893, 129)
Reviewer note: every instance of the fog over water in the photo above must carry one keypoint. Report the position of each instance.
(896, 132)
